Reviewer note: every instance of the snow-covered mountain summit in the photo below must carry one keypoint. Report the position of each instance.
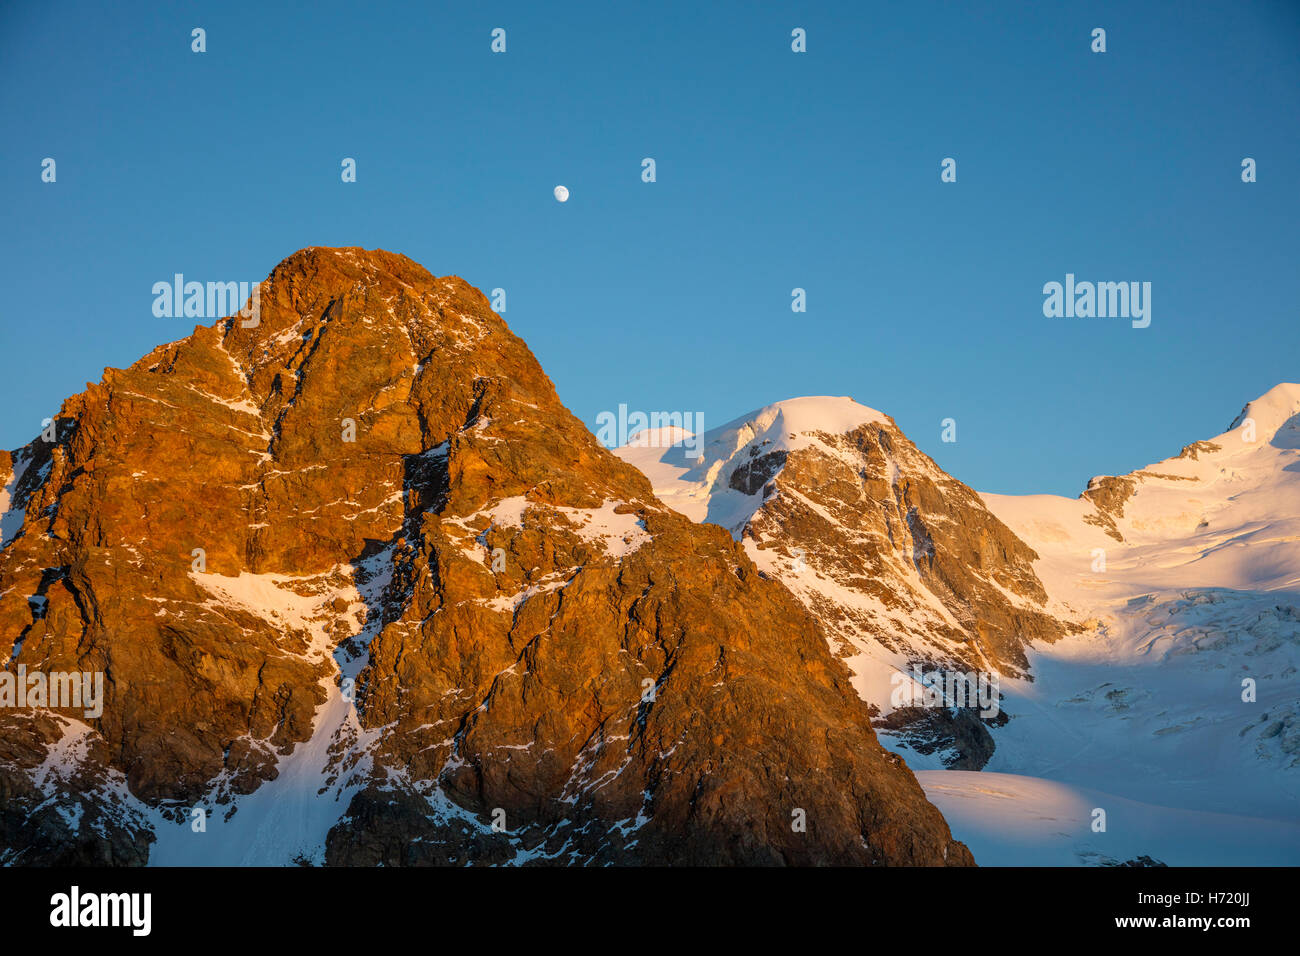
(902, 562)
(1224, 512)
(725, 485)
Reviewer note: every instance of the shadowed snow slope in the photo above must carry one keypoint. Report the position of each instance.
(1009, 820)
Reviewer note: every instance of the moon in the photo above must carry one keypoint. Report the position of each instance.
(562, 193)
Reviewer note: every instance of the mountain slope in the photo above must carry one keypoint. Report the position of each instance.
(1224, 512)
(903, 563)
(363, 591)
(1181, 690)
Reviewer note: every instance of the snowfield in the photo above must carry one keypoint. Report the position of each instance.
(1010, 820)
(1183, 693)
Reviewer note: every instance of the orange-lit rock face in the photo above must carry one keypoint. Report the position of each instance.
(379, 477)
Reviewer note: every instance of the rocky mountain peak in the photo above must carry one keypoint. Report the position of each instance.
(363, 589)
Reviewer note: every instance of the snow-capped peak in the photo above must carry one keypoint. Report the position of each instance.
(1272, 412)
(786, 425)
(702, 488)
(1183, 521)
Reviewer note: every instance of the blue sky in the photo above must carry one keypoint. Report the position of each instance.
(775, 170)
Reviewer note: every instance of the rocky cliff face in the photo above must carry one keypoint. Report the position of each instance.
(902, 563)
(363, 591)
